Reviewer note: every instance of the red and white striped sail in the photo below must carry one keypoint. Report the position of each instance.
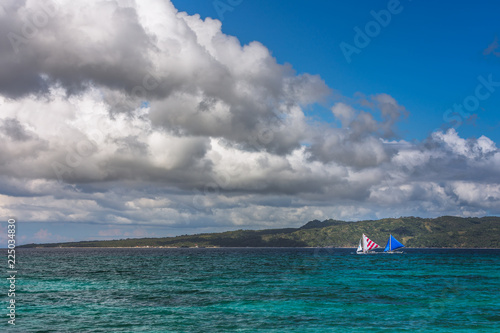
(366, 244)
(370, 245)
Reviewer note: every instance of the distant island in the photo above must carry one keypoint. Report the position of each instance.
(413, 232)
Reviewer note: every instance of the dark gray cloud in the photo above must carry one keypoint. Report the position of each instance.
(12, 128)
(47, 43)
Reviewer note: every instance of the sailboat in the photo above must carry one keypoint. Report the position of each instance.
(393, 244)
(366, 245)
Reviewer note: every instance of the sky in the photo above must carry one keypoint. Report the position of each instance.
(124, 119)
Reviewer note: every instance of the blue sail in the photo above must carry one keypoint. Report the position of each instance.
(392, 244)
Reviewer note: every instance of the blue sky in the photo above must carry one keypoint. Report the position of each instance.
(428, 57)
(159, 118)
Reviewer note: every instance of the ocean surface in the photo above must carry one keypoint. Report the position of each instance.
(255, 290)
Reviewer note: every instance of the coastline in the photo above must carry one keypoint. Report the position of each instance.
(244, 247)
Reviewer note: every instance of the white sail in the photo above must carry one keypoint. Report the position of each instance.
(360, 246)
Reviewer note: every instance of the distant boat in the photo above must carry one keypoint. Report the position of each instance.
(393, 244)
(366, 245)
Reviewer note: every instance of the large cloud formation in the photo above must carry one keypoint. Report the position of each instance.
(125, 112)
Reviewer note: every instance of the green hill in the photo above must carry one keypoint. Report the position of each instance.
(445, 231)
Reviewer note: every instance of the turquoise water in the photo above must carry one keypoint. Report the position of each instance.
(256, 290)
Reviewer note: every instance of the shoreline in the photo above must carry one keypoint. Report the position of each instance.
(243, 247)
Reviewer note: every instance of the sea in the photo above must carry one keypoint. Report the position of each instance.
(254, 290)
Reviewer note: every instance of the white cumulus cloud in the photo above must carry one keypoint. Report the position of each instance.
(131, 112)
